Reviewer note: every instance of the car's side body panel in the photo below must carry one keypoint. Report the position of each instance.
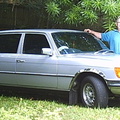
(37, 71)
(27, 66)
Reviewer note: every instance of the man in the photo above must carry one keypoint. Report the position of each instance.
(112, 37)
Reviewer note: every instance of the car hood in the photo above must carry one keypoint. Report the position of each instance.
(109, 59)
(95, 56)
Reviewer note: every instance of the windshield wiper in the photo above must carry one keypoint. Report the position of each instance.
(104, 51)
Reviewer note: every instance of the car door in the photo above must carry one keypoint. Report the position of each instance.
(8, 53)
(33, 68)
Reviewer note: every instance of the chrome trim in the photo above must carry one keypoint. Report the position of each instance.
(20, 61)
(43, 74)
(92, 70)
(8, 72)
(113, 83)
(114, 86)
(38, 74)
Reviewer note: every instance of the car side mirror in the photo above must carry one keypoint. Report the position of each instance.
(47, 51)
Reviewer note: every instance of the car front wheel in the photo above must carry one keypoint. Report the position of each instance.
(93, 92)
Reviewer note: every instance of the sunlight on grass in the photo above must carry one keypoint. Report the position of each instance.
(13, 108)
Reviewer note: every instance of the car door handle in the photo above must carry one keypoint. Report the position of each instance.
(20, 61)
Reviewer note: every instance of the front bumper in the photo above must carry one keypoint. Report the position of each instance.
(114, 87)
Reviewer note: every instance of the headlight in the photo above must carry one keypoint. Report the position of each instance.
(117, 71)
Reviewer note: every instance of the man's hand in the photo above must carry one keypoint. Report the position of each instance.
(97, 34)
(88, 30)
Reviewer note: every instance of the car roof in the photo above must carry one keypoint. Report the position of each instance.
(38, 30)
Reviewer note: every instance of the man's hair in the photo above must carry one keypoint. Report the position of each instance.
(118, 18)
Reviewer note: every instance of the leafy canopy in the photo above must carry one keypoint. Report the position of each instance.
(75, 12)
(84, 11)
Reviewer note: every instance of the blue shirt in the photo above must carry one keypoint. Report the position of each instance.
(113, 38)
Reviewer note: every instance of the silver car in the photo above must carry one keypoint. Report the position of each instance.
(62, 60)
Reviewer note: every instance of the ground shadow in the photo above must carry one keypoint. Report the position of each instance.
(35, 94)
(114, 102)
(49, 95)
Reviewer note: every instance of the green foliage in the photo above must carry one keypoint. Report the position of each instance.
(74, 12)
(85, 11)
(15, 108)
(72, 16)
(109, 7)
(53, 9)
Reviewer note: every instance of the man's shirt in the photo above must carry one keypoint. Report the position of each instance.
(113, 38)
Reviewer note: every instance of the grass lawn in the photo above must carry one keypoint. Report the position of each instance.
(20, 108)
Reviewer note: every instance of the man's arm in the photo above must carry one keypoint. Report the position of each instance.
(97, 34)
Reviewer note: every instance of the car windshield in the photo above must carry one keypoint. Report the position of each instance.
(77, 42)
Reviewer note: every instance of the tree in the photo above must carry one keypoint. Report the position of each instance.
(67, 13)
(84, 11)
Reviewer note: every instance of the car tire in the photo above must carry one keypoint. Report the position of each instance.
(93, 92)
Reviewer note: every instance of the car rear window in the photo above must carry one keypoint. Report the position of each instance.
(9, 43)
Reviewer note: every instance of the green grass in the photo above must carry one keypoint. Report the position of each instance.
(17, 108)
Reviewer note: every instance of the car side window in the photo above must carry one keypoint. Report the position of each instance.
(9, 43)
(34, 43)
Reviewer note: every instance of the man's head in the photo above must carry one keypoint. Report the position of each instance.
(118, 19)
(118, 23)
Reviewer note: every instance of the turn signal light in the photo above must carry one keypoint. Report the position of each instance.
(117, 71)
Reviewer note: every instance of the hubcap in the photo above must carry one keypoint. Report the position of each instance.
(89, 95)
